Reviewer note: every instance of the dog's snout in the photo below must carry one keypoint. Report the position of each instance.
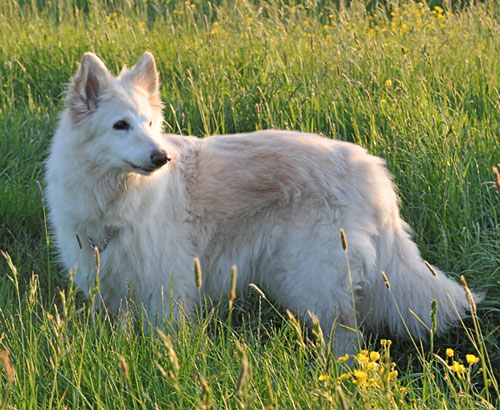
(159, 158)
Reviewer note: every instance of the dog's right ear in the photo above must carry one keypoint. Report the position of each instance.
(86, 86)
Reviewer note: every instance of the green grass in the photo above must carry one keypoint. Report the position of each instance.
(418, 88)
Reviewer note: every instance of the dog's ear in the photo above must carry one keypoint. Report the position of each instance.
(86, 86)
(144, 73)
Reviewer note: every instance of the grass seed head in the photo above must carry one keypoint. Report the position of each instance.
(197, 273)
(343, 239)
(431, 268)
(496, 177)
(5, 363)
(124, 367)
(470, 298)
(386, 280)
(232, 292)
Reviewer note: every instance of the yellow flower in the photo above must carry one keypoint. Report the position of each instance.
(331, 16)
(49, 316)
(393, 374)
(457, 368)
(383, 101)
(249, 19)
(344, 358)
(323, 378)
(450, 352)
(306, 23)
(326, 26)
(374, 356)
(372, 366)
(370, 382)
(471, 359)
(192, 6)
(360, 374)
(362, 358)
(388, 83)
(345, 376)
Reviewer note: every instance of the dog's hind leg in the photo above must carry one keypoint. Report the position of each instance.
(310, 279)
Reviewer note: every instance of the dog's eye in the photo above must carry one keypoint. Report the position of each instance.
(121, 125)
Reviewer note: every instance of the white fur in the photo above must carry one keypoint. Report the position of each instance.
(270, 202)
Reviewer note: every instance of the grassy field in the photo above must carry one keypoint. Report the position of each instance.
(413, 83)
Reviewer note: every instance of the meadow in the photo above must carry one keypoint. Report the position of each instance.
(415, 83)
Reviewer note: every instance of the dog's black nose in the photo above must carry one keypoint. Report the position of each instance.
(159, 158)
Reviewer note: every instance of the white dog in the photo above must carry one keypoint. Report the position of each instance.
(270, 202)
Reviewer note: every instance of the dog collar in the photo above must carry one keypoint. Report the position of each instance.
(103, 245)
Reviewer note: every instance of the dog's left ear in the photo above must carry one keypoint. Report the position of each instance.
(144, 74)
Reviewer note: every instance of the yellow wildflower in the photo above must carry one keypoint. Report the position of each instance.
(450, 352)
(471, 359)
(457, 368)
(306, 23)
(362, 358)
(393, 374)
(344, 358)
(360, 374)
(374, 356)
(383, 101)
(388, 83)
(370, 382)
(323, 378)
(345, 376)
(249, 19)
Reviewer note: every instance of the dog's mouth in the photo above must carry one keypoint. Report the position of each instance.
(158, 159)
(144, 170)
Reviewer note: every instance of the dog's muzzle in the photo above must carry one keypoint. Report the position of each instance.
(159, 158)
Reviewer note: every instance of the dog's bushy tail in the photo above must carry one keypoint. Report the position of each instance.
(413, 284)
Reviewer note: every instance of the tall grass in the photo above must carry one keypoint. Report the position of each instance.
(414, 84)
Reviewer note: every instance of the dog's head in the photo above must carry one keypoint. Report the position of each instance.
(120, 118)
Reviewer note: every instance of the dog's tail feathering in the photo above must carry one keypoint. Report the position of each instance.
(412, 285)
